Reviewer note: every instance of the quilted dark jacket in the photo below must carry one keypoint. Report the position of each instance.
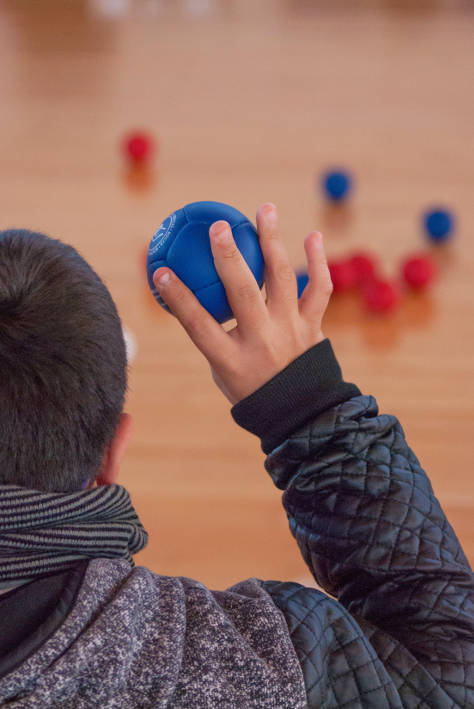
(362, 510)
(367, 522)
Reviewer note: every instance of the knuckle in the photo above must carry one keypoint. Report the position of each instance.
(284, 272)
(180, 296)
(247, 292)
(195, 322)
(230, 252)
(272, 235)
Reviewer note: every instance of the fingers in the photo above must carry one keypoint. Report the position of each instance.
(242, 290)
(204, 330)
(316, 295)
(280, 278)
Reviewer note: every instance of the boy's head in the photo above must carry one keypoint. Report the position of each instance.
(63, 366)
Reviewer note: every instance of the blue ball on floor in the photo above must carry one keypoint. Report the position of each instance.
(438, 224)
(182, 243)
(337, 184)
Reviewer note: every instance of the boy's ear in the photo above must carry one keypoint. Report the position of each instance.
(109, 470)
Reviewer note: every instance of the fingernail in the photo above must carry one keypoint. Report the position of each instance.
(219, 231)
(163, 278)
(269, 209)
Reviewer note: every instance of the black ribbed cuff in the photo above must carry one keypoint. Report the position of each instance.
(309, 385)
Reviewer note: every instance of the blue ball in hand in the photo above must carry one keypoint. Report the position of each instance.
(337, 185)
(438, 224)
(182, 243)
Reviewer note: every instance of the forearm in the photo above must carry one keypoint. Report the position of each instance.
(372, 532)
(361, 507)
(365, 516)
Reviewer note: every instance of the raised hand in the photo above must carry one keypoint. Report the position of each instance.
(269, 333)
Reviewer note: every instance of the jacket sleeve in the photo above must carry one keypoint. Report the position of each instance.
(371, 530)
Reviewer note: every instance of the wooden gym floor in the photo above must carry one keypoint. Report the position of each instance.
(250, 101)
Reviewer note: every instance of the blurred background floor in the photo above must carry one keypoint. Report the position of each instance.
(250, 102)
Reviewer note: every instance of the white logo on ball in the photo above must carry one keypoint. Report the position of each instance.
(162, 235)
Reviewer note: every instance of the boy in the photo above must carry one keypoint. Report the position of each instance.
(83, 627)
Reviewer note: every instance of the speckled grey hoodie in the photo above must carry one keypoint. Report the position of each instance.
(137, 639)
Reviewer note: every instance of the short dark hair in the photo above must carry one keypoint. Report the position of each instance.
(63, 364)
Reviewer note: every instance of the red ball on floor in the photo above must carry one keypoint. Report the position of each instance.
(138, 147)
(380, 296)
(418, 271)
(343, 275)
(364, 265)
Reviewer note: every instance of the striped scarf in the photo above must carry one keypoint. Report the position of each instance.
(42, 532)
